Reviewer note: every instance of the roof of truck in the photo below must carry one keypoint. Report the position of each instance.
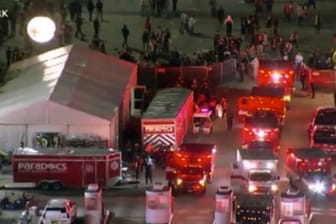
(256, 154)
(254, 201)
(167, 103)
(197, 147)
(306, 153)
(64, 151)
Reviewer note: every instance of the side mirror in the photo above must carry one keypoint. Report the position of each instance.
(235, 165)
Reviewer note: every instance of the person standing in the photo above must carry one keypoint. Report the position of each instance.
(229, 121)
(90, 7)
(228, 23)
(125, 33)
(288, 10)
(149, 167)
(317, 23)
(174, 6)
(145, 40)
(79, 23)
(99, 7)
(96, 27)
(220, 15)
(9, 56)
(213, 6)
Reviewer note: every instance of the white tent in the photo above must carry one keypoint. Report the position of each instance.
(71, 90)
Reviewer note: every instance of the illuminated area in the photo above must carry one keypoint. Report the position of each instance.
(276, 77)
(41, 29)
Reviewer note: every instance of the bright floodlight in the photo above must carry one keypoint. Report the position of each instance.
(276, 77)
(41, 29)
(261, 134)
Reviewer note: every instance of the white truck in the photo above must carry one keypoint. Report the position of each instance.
(256, 171)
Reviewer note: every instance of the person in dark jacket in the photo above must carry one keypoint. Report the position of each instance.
(90, 7)
(96, 27)
(99, 7)
(79, 31)
(9, 56)
(125, 33)
(220, 15)
(229, 121)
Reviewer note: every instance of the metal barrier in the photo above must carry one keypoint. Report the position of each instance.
(162, 77)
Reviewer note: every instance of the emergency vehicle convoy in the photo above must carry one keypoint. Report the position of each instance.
(309, 170)
(191, 167)
(258, 171)
(54, 169)
(262, 125)
(277, 73)
(322, 129)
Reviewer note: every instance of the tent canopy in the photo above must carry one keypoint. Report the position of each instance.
(73, 76)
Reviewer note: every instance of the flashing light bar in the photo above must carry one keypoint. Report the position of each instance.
(204, 110)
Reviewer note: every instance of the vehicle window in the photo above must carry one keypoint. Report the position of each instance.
(322, 139)
(191, 170)
(200, 120)
(325, 118)
(269, 121)
(61, 210)
(260, 145)
(317, 175)
(260, 176)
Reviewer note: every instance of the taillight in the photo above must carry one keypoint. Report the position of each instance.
(262, 71)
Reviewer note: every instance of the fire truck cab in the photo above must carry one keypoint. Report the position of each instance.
(262, 125)
(252, 209)
(277, 73)
(202, 121)
(309, 170)
(250, 104)
(294, 208)
(257, 170)
(195, 157)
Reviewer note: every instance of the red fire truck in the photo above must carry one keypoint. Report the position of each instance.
(277, 73)
(262, 125)
(309, 170)
(168, 118)
(182, 164)
(53, 169)
(249, 105)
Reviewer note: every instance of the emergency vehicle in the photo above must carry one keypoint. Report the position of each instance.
(262, 145)
(252, 209)
(277, 73)
(262, 125)
(309, 170)
(53, 169)
(202, 121)
(250, 104)
(167, 118)
(271, 91)
(294, 208)
(322, 117)
(193, 156)
(257, 170)
(324, 137)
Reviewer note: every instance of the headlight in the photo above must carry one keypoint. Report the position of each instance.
(202, 182)
(179, 181)
(333, 187)
(274, 187)
(270, 165)
(252, 188)
(317, 187)
(287, 98)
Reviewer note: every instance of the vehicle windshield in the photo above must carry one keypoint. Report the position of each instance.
(267, 120)
(317, 175)
(326, 117)
(260, 176)
(53, 209)
(260, 145)
(324, 137)
(192, 170)
(199, 121)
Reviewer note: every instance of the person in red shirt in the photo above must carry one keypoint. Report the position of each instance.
(288, 10)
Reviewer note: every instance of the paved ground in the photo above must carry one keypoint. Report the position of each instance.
(119, 12)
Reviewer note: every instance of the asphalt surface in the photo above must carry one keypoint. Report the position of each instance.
(128, 205)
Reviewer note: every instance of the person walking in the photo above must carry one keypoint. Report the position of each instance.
(90, 7)
(79, 23)
(9, 56)
(228, 23)
(125, 33)
(229, 121)
(149, 167)
(99, 7)
(96, 27)
(317, 23)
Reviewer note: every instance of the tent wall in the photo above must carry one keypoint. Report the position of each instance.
(100, 130)
(11, 136)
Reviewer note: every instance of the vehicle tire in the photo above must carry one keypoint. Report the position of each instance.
(56, 186)
(44, 186)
